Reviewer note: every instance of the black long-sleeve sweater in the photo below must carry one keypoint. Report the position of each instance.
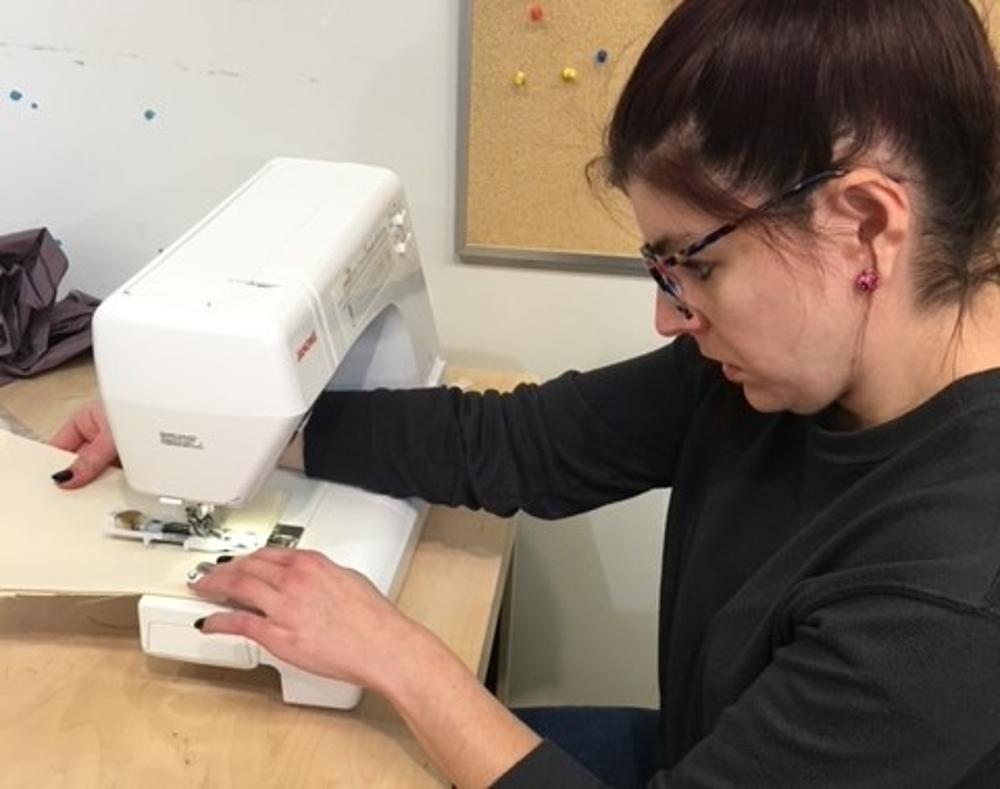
(830, 601)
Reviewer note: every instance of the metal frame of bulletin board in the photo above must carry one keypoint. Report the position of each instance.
(522, 197)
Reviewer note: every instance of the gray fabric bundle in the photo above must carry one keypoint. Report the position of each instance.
(36, 333)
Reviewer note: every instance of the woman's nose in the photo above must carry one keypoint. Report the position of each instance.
(671, 320)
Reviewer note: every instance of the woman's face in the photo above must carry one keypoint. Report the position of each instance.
(785, 323)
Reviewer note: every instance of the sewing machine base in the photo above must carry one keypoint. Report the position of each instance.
(373, 534)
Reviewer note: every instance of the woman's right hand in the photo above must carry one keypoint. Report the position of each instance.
(87, 433)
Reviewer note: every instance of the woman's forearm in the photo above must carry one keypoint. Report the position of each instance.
(472, 737)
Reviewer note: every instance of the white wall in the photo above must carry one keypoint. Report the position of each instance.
(234, 82)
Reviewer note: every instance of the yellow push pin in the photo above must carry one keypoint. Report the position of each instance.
(520, 79)
(569, 74)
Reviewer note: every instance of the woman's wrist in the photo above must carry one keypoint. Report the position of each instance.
(412, 653)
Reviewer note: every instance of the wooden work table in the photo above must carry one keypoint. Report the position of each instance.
(81, 705)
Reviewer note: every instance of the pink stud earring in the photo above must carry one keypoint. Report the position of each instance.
(867, 281)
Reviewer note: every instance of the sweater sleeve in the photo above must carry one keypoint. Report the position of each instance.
(546, 766)
(888, 689)
(570, 445)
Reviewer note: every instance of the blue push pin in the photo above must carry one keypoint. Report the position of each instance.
(601, 57)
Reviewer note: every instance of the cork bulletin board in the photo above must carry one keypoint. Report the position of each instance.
(538, 82)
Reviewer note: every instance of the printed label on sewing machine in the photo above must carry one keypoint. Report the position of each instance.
(361, 283)
(182, 440)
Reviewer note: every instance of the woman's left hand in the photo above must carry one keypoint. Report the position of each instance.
(309, 612)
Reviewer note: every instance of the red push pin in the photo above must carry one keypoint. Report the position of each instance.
(536, 13)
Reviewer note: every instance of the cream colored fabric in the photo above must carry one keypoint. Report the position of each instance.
(52, 541)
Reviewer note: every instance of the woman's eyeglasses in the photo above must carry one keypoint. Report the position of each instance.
(659, 264)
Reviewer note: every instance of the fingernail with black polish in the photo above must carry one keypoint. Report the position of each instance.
(62, 476)
(224, 559)
(199, 623)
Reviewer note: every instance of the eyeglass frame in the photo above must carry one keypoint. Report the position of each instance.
(658, 263)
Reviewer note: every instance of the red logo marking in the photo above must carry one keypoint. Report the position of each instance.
(306, 346)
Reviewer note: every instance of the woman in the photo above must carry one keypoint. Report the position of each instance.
(828, 418)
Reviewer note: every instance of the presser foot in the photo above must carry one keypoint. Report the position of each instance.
(201, 519)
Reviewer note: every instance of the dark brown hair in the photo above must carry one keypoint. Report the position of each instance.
(741, 96)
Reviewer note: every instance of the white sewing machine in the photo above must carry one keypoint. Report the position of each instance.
(306, 278)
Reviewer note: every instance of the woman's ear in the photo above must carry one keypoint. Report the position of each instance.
(870, 214)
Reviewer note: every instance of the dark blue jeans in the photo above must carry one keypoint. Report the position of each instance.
(617, 744)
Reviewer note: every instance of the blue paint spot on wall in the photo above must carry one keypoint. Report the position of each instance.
(149, 115)
(16, 95)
